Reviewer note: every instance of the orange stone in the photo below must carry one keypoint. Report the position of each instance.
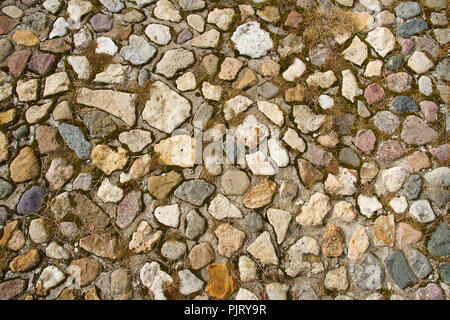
(384, 231)
(25, 262)
(260, 195)
(7, 116)
(8, 232)
(248, 79)
(221, 282)
(26, 38)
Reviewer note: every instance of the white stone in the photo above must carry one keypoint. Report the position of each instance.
(422, 211)
(247, 269)
(236, 105)
(343, 184)
(250, 40)
(136, 139)
(166, 109)
(154, 279)
(280, 220)
(113, 74)
(220, 208)
(314, 211)
(138, 51)
(165, 10)
(80, 65)
(325, 101)
(372, 5)
(399, 204)
(356, 52)
(373, 68)
(158, 33)
(295, 70)
(50, 277)
(344, 211)
(56, 83)
(168, 215)
(186, 82)
(419, 62)
(109, 192)
(189, 283)
(60, 28)
(52, 5)
(196, 21)
(258, 164)
(251, 132)
(277, 291)
(244, 294)
(55, 251)
(76, 9)
(271, 111)
(294, 262)
(306, 120)
(350, 88)
(263, 250)
(321, 79)
(368, 205)
(106, 45)
(390, 180)
(382, 40)
(278, 153)
(336, 279)
(425, 85)
(37, 231)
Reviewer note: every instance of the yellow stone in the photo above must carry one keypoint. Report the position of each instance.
(221, 282)
(25, 166)
(7, 116)
(248, 79)
(91, 294)
(25, 262)
(107, 159)
(26, 38)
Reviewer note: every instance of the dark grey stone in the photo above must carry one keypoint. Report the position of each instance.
(404, 104)
(31, 200)
(6, 188)
(445, 272)
(407, 10)
(194, 191)
(20, 132)
(412, 187)
(399, 270)
(439, 244)
(369, 275)
(251, 223)
(411, 27)
(75, 139)
(99, 123)
(267, 90)
(184, 36)
(348, 157)
(394, 62)
(194, 225)
(419, 263)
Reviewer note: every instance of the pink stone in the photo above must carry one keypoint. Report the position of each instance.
(407, 46)
(429, 109)
(418, 161)
(365, 140)
(399, 82)
(101, 22)
(293, 20)
(430, 292)
(417, 131)
(41, 63)
(440, 152)
(128, 208)
(18, 61)
(374, 93)
(388, 151)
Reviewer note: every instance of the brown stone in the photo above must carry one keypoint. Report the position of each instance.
(332, 241)
(41, 63)
(11, 288)
(407, 235)
(84, 270)
(374, 93)
(388, 151)
(7, 24)
(8, 231)
(308, 173)
(229, 68)
(18, 61)
(67, 294)
(417, 131)
(55, 45)
(201, 255)
(293, 20)
(25, 166)
(260, 195)
(7, 116)
(25, 262)
(128, 208)
(221, 282)
(270, 69)
(91, 294)
(160, 186)
(384, 231)
(249, 79)
(418, 161)
(100, 245)
(46, 139)
(296, 94)
(209, 64)
(91, 216)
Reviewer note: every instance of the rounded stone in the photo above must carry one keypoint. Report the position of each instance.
(235, 182)
(31, 200)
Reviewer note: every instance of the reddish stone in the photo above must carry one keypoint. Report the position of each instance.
(7, 24)
(41, 63)
(429, 109)
(18, 61)
(430, 292)
(374, 93)
(407, 46)
(55, 45)
(365, 140)
(101, 22)
(440, 152)
(417, 131)
(388, 151)
(293, 20)
(418, 161)
(46, 139)
(128, 208)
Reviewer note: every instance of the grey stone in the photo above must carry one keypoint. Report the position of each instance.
(369, 275)
(412, 187)
(411, 27)
(442, 69)
(202, 116)
(3, 215)
(344, 123)
(20, 132)
(31, 200)
(386, 121)
(349, 157)
(407, 10)
(439, 244)
(99, 123)
(394, 62)
(399, 270)
(422, 211)
(184, 36)
(173, 250)
(404, 104)
(439, 177)
(143, 76)
(194, 191)
(445, 272)
(75, 139)
(194, 225)
(138, 51)
(438, 196)
(113, 5)
(251, 223)
(191, 5)
(267, 90)
(5, 188)
(420, 264)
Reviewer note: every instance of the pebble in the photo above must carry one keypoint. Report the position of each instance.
(50, 277)
(336, 279)
(399, 270)
(370, 274)
(138, 51)
(419, 62)
(194, 191)
(221, 283)
(407, 10)
(439, 244)
(201, 255)
(382, 40)
(109, 192)
(25, 166)
(174, 61)
(230, 239)
(384, 231)
(160, 186)
(419, 263)
(209, 39)
(263, 249)
(411, 27)
(399, 82)
(37, 231)
(430, 292)
(417, 131)
(386, 121)
(108, 160)
(154, 278)
(314, 211)
(173, 250)
(189, 283)
(267, 90)
(58, 173)
(356, 52)
(75, 139)
(251, 40)
(168, 215)
(374, 93)
(194, 225)
(368, 205)
(177, 150)
(412, 187)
